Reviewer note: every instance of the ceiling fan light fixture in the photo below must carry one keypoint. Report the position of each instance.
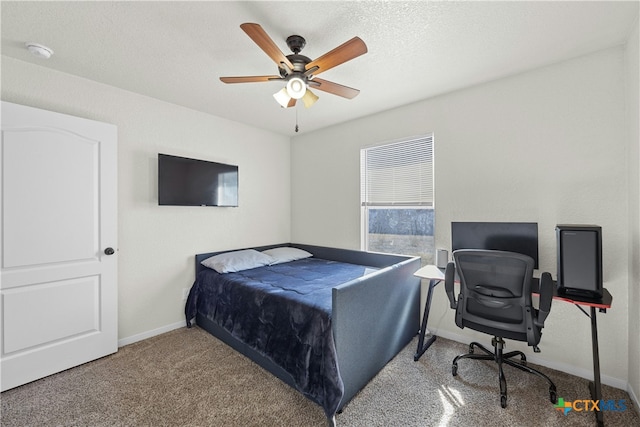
(296, 87)
(309, 98)
(283, 98)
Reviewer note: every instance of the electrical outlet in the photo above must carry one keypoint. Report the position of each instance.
(185, 293)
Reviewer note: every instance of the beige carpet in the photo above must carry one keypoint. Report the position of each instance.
(188, 378)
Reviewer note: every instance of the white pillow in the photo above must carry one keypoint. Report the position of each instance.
(286, 254)
(230, 262)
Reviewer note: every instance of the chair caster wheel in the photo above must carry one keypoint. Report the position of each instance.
(503, 401)
(454, 370)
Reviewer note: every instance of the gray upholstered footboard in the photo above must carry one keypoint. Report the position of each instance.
(373, 320)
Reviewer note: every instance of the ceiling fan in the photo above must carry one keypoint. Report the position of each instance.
(298, 71)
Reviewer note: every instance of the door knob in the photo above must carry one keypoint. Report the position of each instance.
(109, 251)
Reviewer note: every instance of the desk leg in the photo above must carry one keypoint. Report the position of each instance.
(595, 386)
(422, 346)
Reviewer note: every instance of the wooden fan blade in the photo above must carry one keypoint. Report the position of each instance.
(334, 88)
(250, 79)
(262, 39)
(343, 53)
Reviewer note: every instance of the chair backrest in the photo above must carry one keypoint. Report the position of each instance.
(495, 294)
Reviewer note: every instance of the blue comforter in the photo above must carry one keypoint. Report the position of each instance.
(284, 312)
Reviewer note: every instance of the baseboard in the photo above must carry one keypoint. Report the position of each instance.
(633, 395)
(152, 333)
(569, 369)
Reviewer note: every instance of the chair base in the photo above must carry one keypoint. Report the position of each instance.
(499, 357)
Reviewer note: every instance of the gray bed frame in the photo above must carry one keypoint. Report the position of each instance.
(373, 317)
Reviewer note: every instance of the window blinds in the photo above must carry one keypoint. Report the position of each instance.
(398, 174)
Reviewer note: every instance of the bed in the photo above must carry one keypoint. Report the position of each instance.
(325, 323)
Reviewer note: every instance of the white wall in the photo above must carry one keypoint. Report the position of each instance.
(633, 114)
(548, 146)
(157, 243)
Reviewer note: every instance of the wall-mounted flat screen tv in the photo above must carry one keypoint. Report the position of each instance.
(192, 182)
(519, 237)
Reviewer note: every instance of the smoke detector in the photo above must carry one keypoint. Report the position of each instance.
(39, 50)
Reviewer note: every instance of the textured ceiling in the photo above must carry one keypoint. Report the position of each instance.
(176, 51)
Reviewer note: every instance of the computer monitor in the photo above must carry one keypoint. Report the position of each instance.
(520, 237)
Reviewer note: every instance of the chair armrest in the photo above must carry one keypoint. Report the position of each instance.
(449, 279)
(546, 296)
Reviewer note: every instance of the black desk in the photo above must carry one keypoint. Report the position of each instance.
(602, 304)
(436, 275)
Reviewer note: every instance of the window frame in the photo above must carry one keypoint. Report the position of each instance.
(426, 199)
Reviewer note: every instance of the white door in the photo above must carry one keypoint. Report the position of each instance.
(58, 215)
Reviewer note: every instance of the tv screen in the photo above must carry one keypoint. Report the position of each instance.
(191, 182)
(520, 237)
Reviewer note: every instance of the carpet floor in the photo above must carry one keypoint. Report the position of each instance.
(186, 377)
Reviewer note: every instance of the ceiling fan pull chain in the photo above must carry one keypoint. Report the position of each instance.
(296, 118)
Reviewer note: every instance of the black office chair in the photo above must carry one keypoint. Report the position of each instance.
(495, 298)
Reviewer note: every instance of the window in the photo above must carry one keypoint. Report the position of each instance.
(396, 195)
